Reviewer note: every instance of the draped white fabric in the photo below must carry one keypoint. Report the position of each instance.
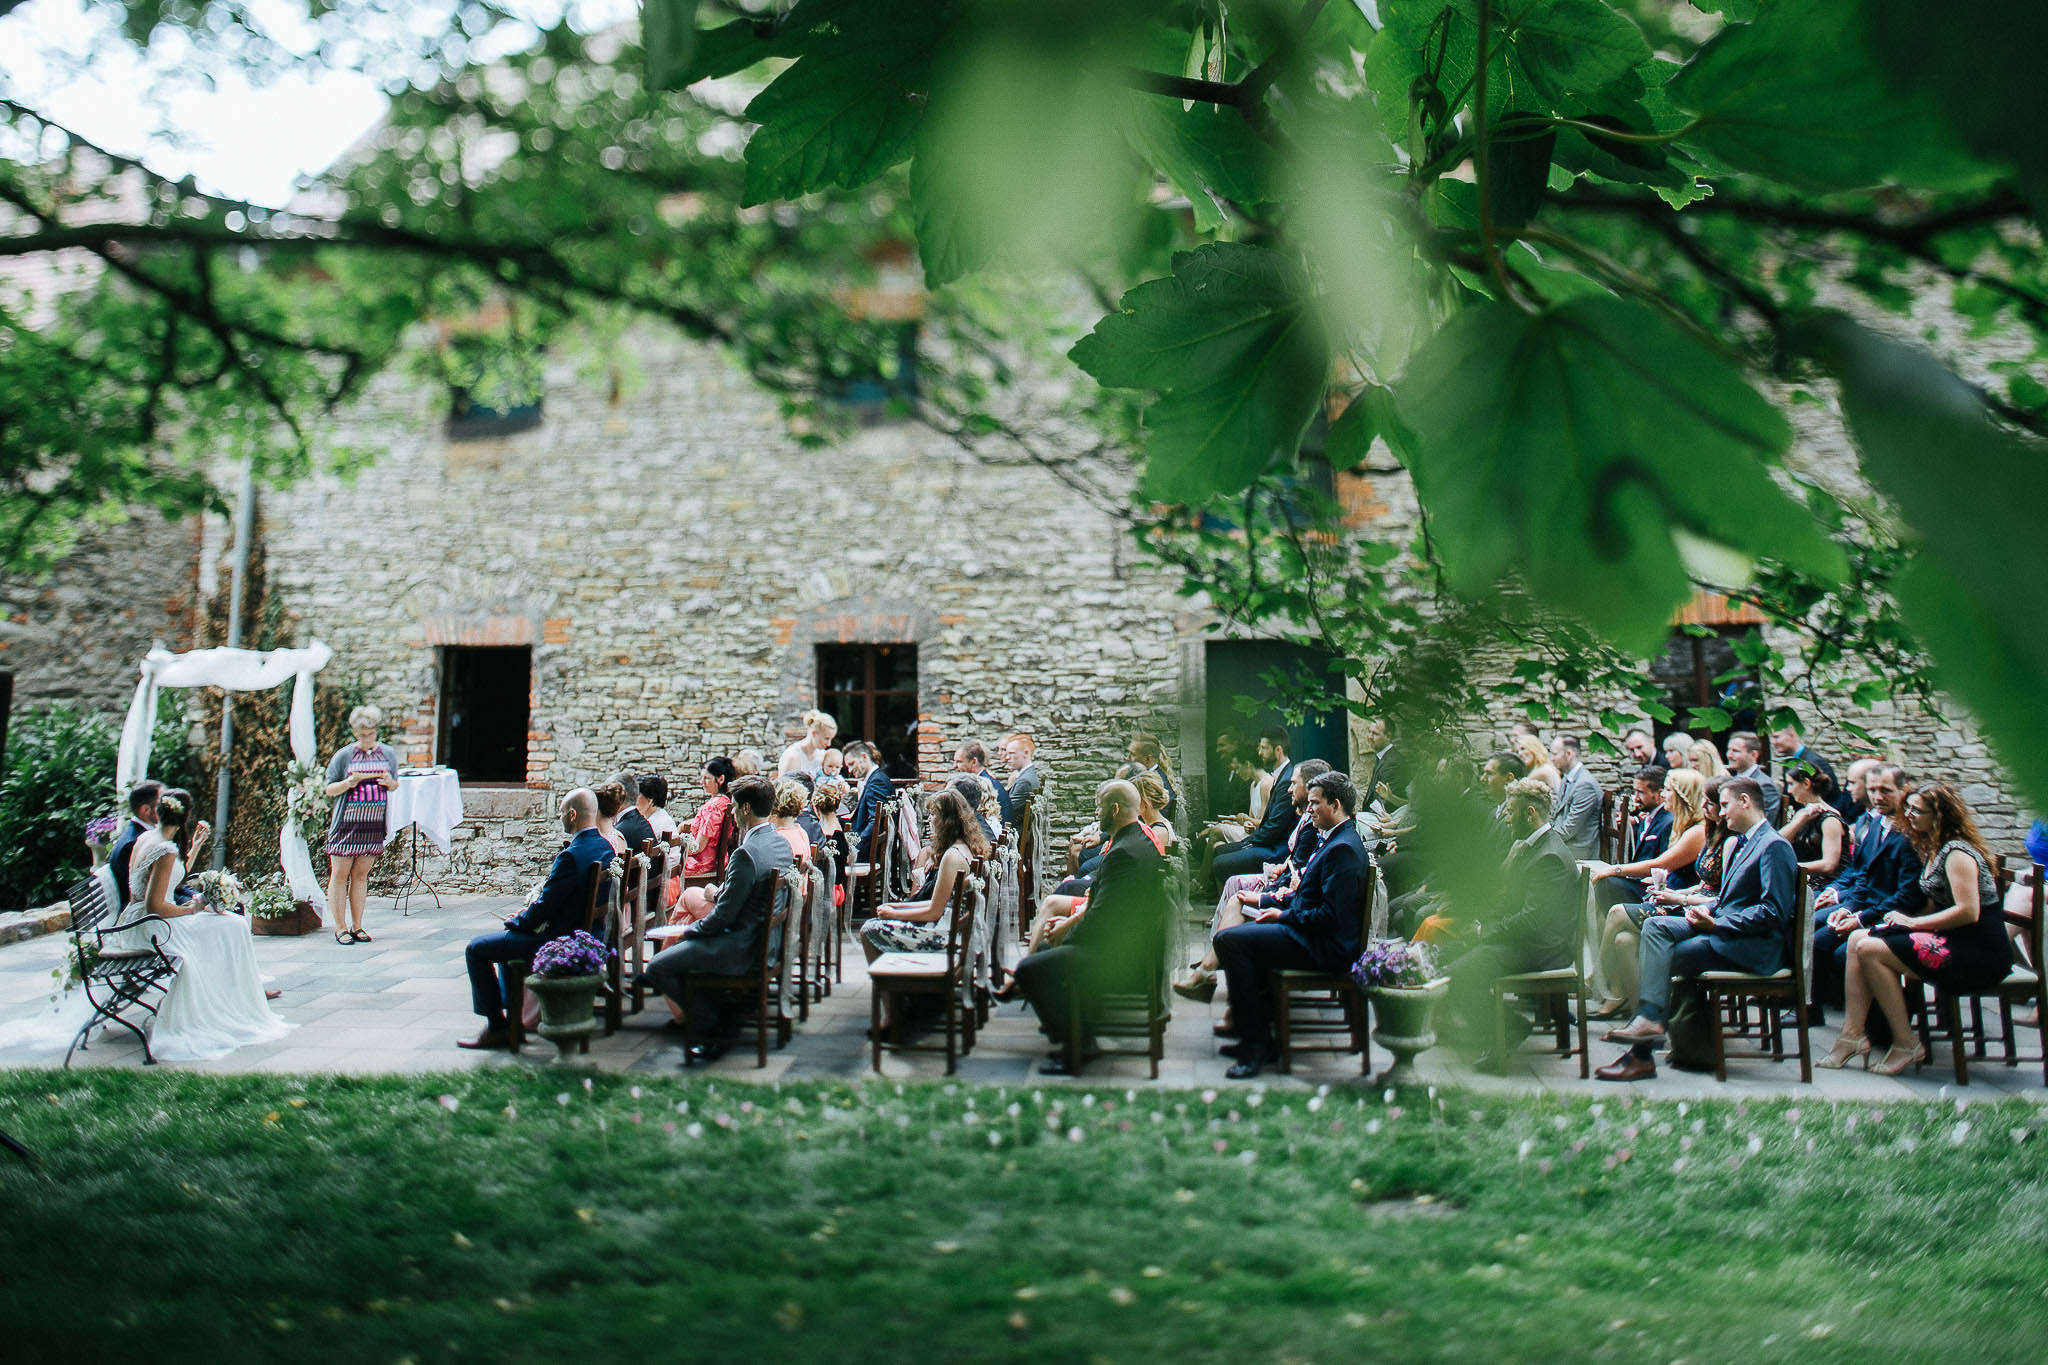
(235, 670)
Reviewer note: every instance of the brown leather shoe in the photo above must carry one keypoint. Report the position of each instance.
(489, 1040)
(1630, 1035)
(1627, 1067)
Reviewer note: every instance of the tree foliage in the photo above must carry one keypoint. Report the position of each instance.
(1566, 261)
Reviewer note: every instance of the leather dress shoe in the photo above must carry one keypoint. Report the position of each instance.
(702, 1053)
(1627, 1067)
(1055, 1064)
(1249, 1064)
(1625, 1035)
(490, 1040)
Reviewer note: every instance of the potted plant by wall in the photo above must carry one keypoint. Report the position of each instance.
(273, 911)
(566, 974)
(1402, 981)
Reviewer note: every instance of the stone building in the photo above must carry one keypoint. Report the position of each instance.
(640, 576)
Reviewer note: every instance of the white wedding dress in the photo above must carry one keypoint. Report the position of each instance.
(215, 1003)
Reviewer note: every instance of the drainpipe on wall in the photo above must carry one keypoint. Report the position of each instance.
(245, 525)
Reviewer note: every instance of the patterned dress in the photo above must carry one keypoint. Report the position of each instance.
(1970, 957)
(359, 825)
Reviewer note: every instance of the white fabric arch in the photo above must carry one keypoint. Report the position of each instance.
(235, 670)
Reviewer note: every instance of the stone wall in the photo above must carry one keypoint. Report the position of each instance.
(79, 634)
(674, 557)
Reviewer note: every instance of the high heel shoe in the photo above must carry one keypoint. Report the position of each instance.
(1610, 1008)
(1845, 1048)
(1199, 987)
(1894, 1062)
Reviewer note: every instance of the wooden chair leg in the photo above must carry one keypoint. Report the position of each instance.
(1977, 1026)
(1952, 1017)
(875, 1026)
(1283, 1000)
(1720, 1040)
(515, 1011)
(1805, 1044)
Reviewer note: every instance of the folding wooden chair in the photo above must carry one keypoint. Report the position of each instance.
(896, 977)
(1788, 985)
(1308, 1004)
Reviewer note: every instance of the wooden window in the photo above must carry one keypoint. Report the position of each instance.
(871, 690)
(486, 691)
(1695, 670)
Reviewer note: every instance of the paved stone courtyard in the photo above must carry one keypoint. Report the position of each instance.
(398, 1005)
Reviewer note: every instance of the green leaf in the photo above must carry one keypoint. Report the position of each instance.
(1978, 498)
(1582, 447)
(849, 107)
(1709, 718)
(1797, 97)
(1980, 66)
(1198, 150)
(1231, 345)
(1517, 173)
(1350, 440)
(668, 35)
(1567, 47)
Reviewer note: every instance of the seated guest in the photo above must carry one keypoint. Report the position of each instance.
(1104, 945)
(726, 941)
(1857, 799)
(1881, 875)
(1745, 760)
(920, 926)
(1229, 789)
(747, 762)
(832, 763)
(141, 820)
(975, 791)
(558, 908)
(1020, 756)
(1704, 759)
(1790, 752)
(611, 799)
(1149, 753)
(1743, 930)
(970, 758)
(2019, 908)
(709, 839)
(631, 822)
(1319, 930)
(1693, 804)
(1502, 768)
(1534, 934)
(875, 792)
(1677, 745)
(1819, 834)
(652, 803)
(1649, 834)
(1387, 783)
(1954, 938)
(1642, 750)
(1247, 888)
(807, 754)
(791, 797)
(1532, 752)
(1266, 843)
(1072, 896)
(1235, 822)
(1576, 816)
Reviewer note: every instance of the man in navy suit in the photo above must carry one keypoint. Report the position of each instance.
(1882, 875)
(1319, 930)
(972, 758)
(1649, 839)
(875, 792)
(1746, 930)
(141, 819)
(559, 909)
(1264, 844)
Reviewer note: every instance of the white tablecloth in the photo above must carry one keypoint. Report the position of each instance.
(432, 800)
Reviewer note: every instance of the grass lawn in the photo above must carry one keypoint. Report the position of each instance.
(512, 1214)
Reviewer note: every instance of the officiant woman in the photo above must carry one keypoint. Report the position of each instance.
(360, 780)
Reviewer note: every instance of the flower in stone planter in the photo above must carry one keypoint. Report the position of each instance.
(574, 954)
(1392, 962)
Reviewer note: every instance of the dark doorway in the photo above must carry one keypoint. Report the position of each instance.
(1686, 673)
(1249, 683)
(485, 696)
(871, 690)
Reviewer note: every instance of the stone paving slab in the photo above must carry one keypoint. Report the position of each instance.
(397, 1006)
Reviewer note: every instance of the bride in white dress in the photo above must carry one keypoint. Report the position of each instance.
(215, 1003)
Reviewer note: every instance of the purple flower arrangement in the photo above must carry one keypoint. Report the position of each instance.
(575, 954)
(101, 830)
(1393, 962)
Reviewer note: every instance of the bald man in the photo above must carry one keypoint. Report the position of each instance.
(558, 909)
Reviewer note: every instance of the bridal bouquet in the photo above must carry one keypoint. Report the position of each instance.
(305, 794)
(1390, 962)
(224, 891)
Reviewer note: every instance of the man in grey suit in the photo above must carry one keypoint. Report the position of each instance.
(1019, 754)
(1746, 930)
(1575, 817)
(724, 942)
(1745, 754)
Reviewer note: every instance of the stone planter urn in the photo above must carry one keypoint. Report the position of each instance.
(303, 919)
(1405, 1025)
(567, 1012)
